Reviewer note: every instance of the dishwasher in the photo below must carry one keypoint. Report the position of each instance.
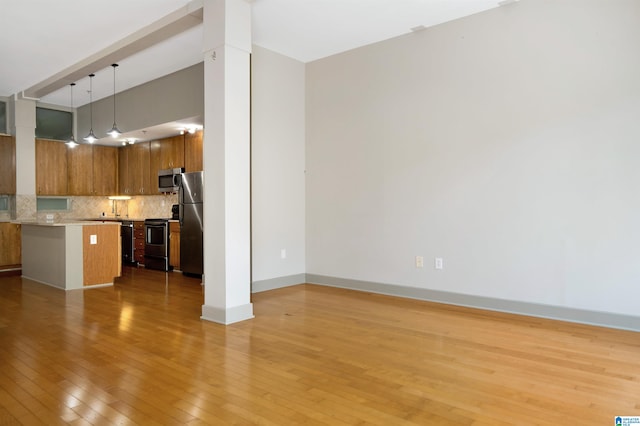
(126, 234)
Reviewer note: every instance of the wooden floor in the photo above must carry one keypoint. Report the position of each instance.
(137, 353)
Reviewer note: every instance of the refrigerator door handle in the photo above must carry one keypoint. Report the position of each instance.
(180, 214)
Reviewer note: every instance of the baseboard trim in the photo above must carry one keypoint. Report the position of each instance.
(227, 316)
(10, 272)
(603, 319)
(279, 282)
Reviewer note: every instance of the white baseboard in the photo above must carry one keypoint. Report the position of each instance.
(582, 316)
(227, 316)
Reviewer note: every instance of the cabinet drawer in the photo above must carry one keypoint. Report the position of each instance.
(139, 257)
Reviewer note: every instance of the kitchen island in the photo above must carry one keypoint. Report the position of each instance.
(71, 255)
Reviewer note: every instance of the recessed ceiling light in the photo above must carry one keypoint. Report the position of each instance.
(418, 28)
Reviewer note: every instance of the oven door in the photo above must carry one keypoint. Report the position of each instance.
(156, 239)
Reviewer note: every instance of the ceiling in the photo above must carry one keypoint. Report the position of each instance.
(49, 44)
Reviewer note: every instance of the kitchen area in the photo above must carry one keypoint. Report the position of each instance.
(173, 243)
(160, 223)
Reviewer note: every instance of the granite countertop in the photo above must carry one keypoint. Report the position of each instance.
(64, 223)
(114, 219)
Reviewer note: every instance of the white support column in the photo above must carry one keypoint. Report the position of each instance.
(227, 238)
(24, 129)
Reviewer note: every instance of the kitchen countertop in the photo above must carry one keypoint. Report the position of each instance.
(113, 219)
(122, 219)
(63, 223)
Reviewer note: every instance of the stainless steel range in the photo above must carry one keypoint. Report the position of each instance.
(156, 248)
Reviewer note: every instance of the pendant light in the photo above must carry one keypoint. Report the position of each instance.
(71, 143)
(91, 138)
(114, 132)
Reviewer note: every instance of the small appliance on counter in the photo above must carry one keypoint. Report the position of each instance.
(175, 212)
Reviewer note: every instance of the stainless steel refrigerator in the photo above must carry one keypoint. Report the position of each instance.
(191, 226)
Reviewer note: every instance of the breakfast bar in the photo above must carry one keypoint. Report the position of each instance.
(71, 255)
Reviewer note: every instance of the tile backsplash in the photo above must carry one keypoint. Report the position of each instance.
(139, 207)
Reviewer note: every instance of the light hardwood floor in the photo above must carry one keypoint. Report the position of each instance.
(137, 353)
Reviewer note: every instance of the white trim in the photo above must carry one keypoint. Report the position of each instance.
(227, 316)
(582, 316)
(279, 282)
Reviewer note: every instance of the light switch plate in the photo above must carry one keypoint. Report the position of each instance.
(93, 239)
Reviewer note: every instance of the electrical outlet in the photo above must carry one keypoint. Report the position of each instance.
(419, 262)
(438, 263)
(93, 239)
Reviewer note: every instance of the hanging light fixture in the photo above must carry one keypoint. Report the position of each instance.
(91, 137)
(71, 143)
(114, 132)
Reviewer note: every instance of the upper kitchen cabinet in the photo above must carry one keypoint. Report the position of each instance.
(124, 185)
(167, 153)
(105, 170)
(193, 151)
(51, 167)
(7, 165)
(80, 170)
(92, 170)
(138, 163)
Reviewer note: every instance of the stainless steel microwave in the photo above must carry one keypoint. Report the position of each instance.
(169, 180)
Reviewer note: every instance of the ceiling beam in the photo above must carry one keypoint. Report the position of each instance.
(172, 24)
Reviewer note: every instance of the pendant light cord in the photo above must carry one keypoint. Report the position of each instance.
(91, 100)
(114, 94)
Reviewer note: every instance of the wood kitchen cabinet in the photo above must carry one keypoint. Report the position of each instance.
(174, 244)
(80, 170)
(10, 245)
(51, 167)
(7, 165)
(193, 151)
(124, 186)
(133, 166)
(105, 170)
(167, 153)
(138, 241)
(92, 170)
(135, 175)
(138, 164)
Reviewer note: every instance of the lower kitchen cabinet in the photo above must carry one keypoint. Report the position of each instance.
(10, 245)
(174, 244)
(138, 235)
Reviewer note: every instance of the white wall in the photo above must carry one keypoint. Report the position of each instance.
(507, 143)
(277, 165)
